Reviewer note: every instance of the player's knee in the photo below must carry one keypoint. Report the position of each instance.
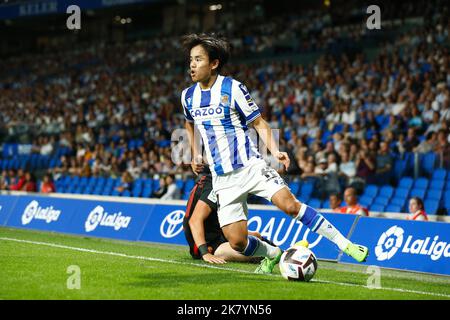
(293, 207)
(238, 244)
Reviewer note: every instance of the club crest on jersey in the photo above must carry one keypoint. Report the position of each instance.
(225, 100)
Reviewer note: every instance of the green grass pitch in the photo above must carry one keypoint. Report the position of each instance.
(35, 265)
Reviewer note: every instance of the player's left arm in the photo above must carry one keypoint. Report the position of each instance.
(249, 111)
(266, 134)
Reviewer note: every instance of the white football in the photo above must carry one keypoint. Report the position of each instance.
(298, 264)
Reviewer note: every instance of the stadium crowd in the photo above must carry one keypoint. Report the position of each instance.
(344, 119)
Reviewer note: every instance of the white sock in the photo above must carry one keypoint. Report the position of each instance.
(331, 233)
(258, 248)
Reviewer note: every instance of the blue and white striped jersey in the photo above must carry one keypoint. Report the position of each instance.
(222, 114)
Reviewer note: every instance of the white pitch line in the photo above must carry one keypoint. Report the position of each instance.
(54, 245)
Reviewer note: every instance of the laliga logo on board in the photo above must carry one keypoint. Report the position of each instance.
(172, 224)
(34, 211)
(99, 216)
(392, 240)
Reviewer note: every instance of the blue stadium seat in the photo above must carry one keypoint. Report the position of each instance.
(185, 196)
(439, 174)
(434, 195)
(446, 199)
(326, 204)
(180, 184)
(393, 208)
(421, 183)
(371, 190)
(315, 203)
(417, 192)
(125, 193)
(381, 200)
(427, 162)
(447, 185)
(146, 193)
(295, 187)
(431, 206)
(406, 183)
(377, 207)
(366, 201)
(401, 193)
(386, 191)
(398, 201)
(106, 192)
(137, 190)
(306, 189)
(437, 184)
(189, 184)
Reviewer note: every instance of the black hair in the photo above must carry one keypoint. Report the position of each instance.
(419, 202)
(216, 46)
(337, 195)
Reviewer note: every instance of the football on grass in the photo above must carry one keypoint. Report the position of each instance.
(298, 263)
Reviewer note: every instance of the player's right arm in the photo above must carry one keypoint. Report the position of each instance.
(196, 155)
(197, 224)
(196, 161)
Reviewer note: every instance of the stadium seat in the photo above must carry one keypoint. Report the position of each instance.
(326, 204)
(371, 190)
(185, 196)
(315, 203)
(295, 187)
(306, 189)
(189, 184)
(180, 184)
(434, 195)
(377, 207)
(417, 192)
(381, 200)
(125, 193)
(366, 201)
(398, 201)
(393, 208)
(401, 193)
(439, 174)
(386, 191)
(421, 183)
(431, 206)
(437, 185)
(137, 190)
(146, 193)
(405, 183)
(427, 162)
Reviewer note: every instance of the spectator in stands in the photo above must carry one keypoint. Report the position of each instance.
(352, 206)
(411, 140)
(30, 183)
(427, 145)
(18, 182)
(172, 190)
(47, 185)
(162, 188)
(335, 202)
(443, 146)
(436, 124)
(365, 166)
(347, 168)
(4, 180)
(126, 182)
(384, 164)
(416, 210)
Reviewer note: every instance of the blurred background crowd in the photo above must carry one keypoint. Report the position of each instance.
(355, 107)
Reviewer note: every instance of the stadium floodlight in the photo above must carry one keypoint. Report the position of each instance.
(215, 7)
